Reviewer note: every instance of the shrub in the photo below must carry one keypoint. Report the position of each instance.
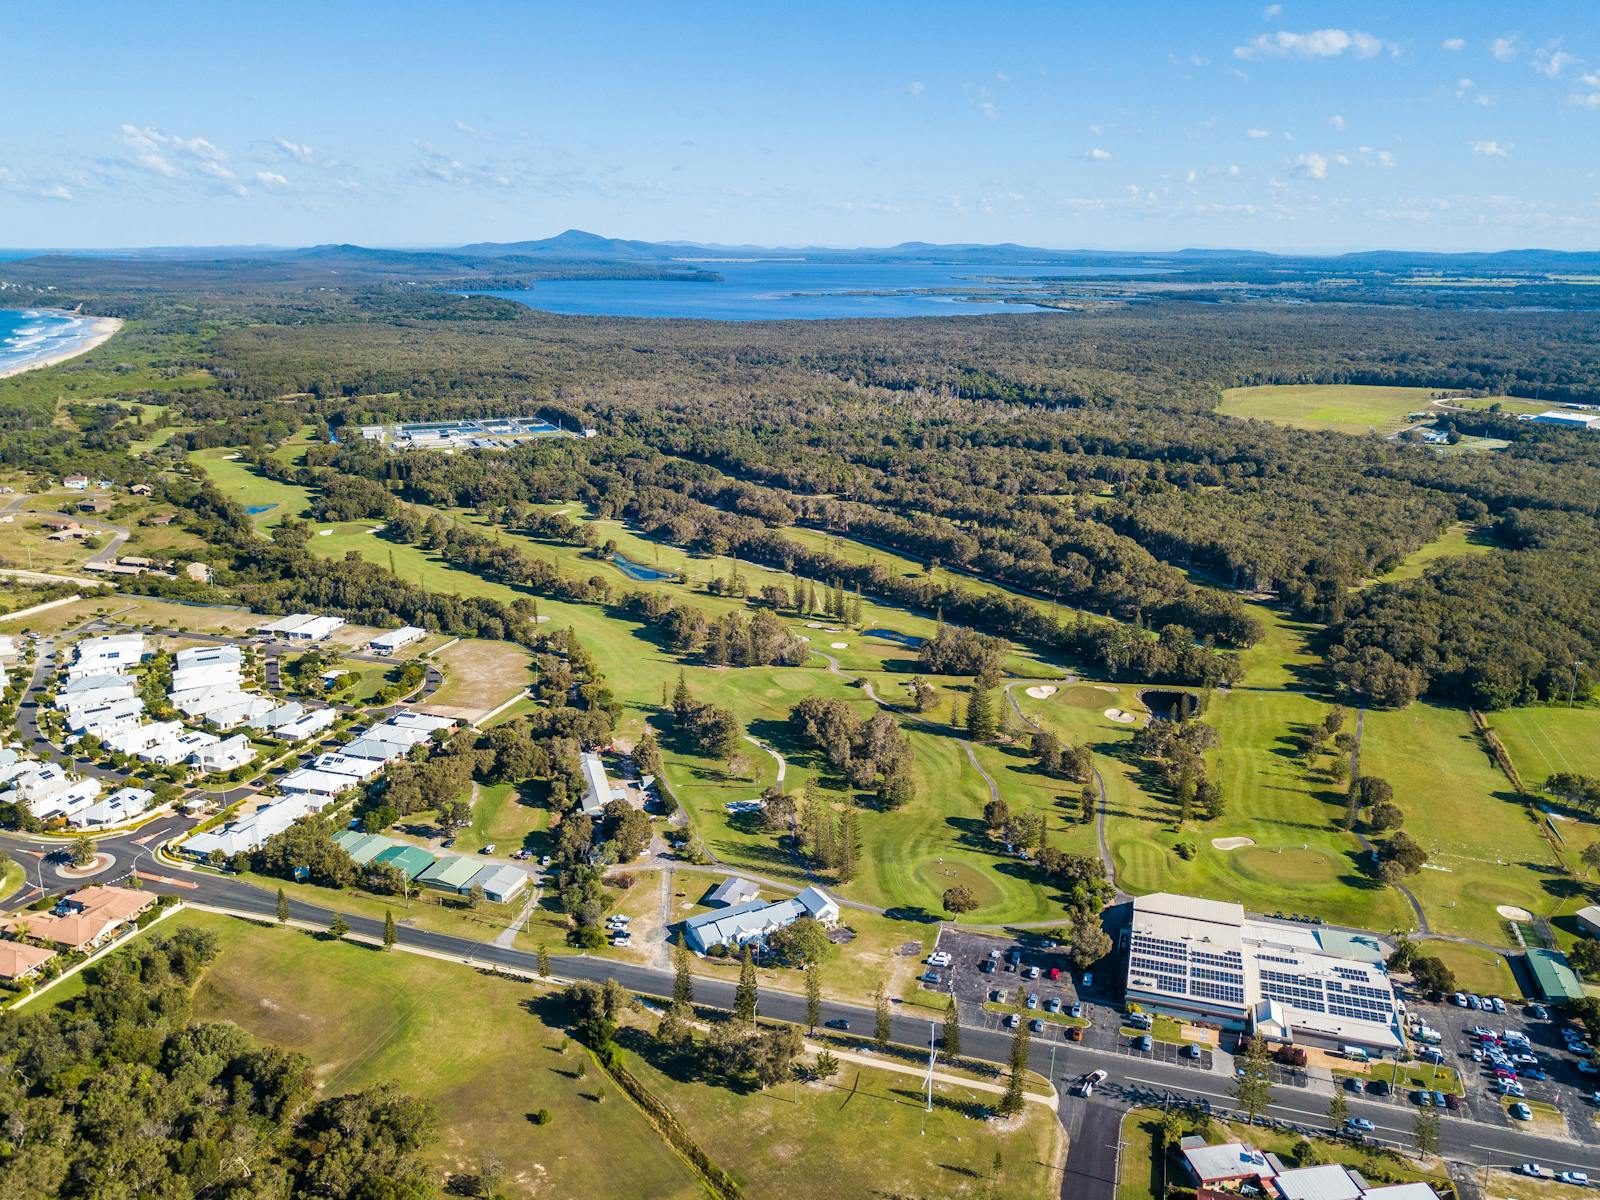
(540, 1117)
(1185, 850)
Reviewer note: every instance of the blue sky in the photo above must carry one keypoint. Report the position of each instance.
(1127, 125)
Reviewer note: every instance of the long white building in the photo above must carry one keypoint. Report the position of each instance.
(1205, 960)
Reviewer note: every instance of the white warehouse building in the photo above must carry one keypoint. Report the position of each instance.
(1206, 961)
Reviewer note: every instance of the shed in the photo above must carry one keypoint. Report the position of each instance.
(451, 874)
(733, 890)
(1589, 919)
(1553, 976)
(500, 882)
(412, 861)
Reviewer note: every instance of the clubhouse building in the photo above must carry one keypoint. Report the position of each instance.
(1205, 961)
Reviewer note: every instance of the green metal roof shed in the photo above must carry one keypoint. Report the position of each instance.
(1554, 976)
(413, 860)
(365, 847)
(452, 874)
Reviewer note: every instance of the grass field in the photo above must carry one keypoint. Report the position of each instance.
(1476, 970)
(1484, 846)
(10, 876)
(1459, 539)
(1543, 741)
(464, 1040)
(508, 817)
(236, 480)
(479, 1048)
(1342, 408)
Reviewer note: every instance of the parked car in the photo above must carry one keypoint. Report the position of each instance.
(1147, 1043)
(1077, 1008)
(1053, 1004)
(1438, 1099)
(928, 977)
(997, 995)
(1015, 956)
(1459, 999)
(1013, 1021)
(1352, 1084)
(987, 966)
(1499, 1004)
(489, 849)
(1452, 1101)
(544, 860)
(1379, 1087)
(1074, 1033)
(1473, 1002)
(1036, 1025)
(940, 958)
(1054, 974)
(1191, 1051)
(1422, 1098)
(1532, 1171)
(1575, 1178)
(1521, 1112)
(1088, 980)
(1539, 1011)
(1033, 972)
(1033, 999)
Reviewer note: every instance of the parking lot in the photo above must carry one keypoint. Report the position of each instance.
(1555, 1082)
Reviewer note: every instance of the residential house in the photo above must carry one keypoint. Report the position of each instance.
(321, 784)
(19, 961)
(82, 920)
(224, 755)
(75, 483)
(141, 489)
(123, 805)
(356, 770)
(249, 833)
(312, 723)
(73, 798)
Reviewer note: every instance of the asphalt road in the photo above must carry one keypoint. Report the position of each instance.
(1091, 1162)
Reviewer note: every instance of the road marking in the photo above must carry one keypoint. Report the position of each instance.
(183, 883)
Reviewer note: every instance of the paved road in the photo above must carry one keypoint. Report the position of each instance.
(1132, 1080)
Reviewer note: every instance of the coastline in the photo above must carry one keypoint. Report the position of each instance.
(100, 331)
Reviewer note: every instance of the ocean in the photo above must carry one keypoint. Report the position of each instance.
(29, 335)
(813, 291)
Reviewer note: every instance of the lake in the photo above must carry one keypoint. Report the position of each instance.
(810, 291)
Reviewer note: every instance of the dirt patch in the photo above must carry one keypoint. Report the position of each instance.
(1512, 913)
(1120, 717)
(1042, 691)
(1232, 843)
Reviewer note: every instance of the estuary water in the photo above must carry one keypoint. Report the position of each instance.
(797, 289)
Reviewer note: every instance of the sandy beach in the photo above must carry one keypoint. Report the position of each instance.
(101, 330)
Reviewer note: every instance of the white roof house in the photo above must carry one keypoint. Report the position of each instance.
(1327, 1181)
(89, 683)
(753, 920)
(112, 689)
(733, 890)
(224, 755)
(249, 833)
(375, 748)
(311, 723)
(121, 806)
(205, 675)
(315, 783)
(1205, 960)
(303, 627)
(340, 764)
(427, 722)
(388, 643)
(107, 654)
(193, 740)
(283, 714)
(197, 702)
(197, 656)
(1572, 420)
(142, 738)
(106, 719)
(596, 787)
(72, 799)
(1226, 1163)
(246, 706)
(1589, 918)
(39, 780)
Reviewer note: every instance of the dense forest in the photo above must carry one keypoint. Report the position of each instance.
(1073, 458)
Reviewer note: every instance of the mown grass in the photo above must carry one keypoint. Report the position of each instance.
(1483, 842)
(1460, 539)
(1342, 408)
(237, 480)
(471, 1043)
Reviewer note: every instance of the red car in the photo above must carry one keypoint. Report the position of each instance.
(1055, 973)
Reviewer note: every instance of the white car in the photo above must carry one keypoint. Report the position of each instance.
(623, 938)
(1087, 1083)
(1575, 1178)
(939, 958)
(1532, 1171)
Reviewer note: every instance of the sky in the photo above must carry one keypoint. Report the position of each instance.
(1127, 125)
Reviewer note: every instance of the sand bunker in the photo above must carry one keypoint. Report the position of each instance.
(1043, 691)
(840, 645)
(813, 624)
(1120, 717)
(1106, 687)
(1233, 843)
(1512, 913)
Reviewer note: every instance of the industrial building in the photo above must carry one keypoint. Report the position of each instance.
(1205, 961)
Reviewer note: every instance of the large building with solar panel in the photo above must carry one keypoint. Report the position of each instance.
(1206, 961)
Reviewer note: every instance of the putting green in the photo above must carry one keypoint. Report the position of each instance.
(1286, 867)
(1083, 695)
(948, 874)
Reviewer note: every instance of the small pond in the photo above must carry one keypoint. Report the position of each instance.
(639, 571)
(1170, 705)
(894, 635)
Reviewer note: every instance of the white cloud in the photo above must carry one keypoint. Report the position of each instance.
(915, 87)
(1490, 149)
(1453, 44)
(1504, 48)
(1271, 12)
(295, 150)
(1098, 155)
(271, 179)
(987, 108)
(1191, 175)
(1551, 60)
(1318, 43)
(1336, 121)
(1258, 134)
(1589, 100)
(1313, 166)
(1233, 170)
(20, 185)
(176, 158)
(476, 134)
